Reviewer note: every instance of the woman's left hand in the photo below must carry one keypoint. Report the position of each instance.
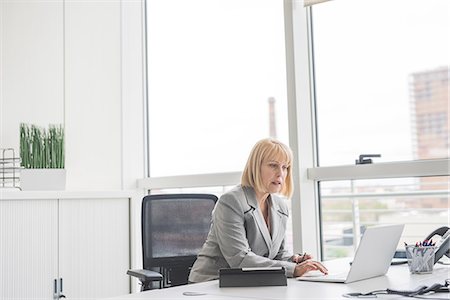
(309, 265)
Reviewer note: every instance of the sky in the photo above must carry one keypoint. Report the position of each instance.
(363, 62)
(211, 72)
(212, 65)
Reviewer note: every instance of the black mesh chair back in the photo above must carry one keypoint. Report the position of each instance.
(174, 229)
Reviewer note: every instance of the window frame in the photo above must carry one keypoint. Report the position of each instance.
(303, 141)
(316, 174)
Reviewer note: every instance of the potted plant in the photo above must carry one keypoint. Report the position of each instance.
(42, 157)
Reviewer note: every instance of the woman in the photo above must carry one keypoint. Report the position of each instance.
(249, 222)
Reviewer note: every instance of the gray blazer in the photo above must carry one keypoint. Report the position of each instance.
(239, 236)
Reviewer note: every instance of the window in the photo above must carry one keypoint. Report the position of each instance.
(216, 84)
(382, 79)
(216, 80)
(348, 207)
(382, 86)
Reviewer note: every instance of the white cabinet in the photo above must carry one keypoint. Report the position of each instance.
(82, 243)
(94, 247)
(28, 248)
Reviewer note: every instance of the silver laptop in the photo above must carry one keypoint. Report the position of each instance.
(373, 256)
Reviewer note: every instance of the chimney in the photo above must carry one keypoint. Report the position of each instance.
(272, 124)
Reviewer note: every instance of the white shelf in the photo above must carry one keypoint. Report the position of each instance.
(15, 194)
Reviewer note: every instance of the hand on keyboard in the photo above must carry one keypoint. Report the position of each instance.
(308, 266)
(313, 273)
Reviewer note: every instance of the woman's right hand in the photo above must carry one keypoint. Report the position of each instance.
(309, 265)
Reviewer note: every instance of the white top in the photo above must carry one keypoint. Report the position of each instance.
(398, 277)
(10, 194)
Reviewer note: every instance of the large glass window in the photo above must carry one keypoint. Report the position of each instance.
(381, 76)
(216, 83)
(382, 87)
(348, 207)
(216, 80)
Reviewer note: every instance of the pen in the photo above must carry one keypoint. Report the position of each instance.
(303, 258)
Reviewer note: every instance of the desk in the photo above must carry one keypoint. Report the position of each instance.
(398, 277)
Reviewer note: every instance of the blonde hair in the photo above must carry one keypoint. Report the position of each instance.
(267, 149)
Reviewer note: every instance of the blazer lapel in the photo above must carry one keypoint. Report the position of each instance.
(251, 200)
(278, 233)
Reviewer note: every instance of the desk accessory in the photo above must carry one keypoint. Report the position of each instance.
(415, 293)
(443, 245)
(246, 277)
(420, 258)
(9, 168)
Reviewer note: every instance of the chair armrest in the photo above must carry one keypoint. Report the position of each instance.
(145, 275)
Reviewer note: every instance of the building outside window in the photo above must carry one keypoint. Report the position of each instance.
(381, 88)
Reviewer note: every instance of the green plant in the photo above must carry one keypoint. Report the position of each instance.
(41, 148)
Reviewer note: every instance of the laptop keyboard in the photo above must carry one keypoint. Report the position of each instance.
(339, 275)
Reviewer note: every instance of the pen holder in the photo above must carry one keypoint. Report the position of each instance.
(420, 259)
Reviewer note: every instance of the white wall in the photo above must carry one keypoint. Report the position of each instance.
(64, 62)
(31, 66)
(133, 108)
(93, 100)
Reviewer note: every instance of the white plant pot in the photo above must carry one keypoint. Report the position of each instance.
(42, 179)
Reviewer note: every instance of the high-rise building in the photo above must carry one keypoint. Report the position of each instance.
(429, 92)
(430, 115)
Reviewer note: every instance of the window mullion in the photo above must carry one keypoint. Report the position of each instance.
(305, 212)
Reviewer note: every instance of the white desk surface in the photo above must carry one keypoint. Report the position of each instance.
(398, 277)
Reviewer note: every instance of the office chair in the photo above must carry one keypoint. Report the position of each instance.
(174, 228)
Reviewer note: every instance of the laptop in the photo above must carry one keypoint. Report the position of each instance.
(372, 258)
